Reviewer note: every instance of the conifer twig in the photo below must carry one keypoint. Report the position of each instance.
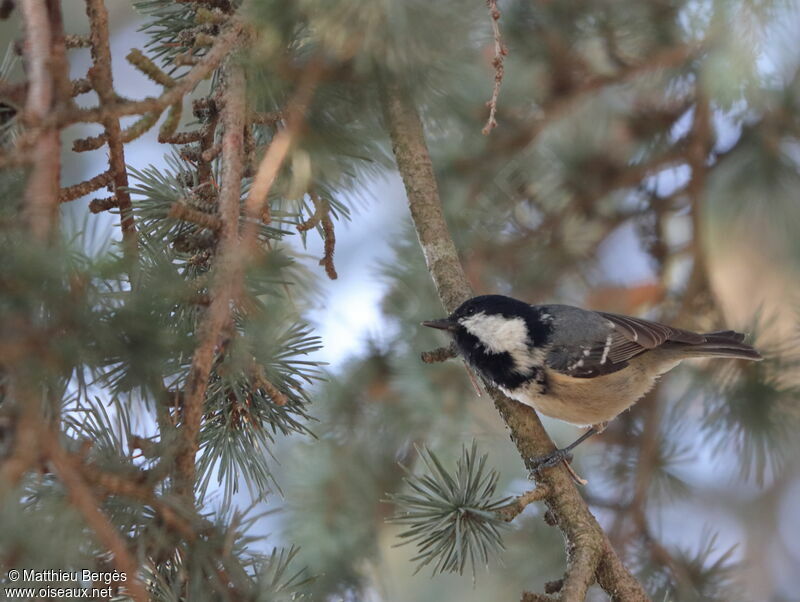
(500, 52)
(314, 219)
(696, 155)
(511, 510)
(116, 485)
(222, 47)
(77, 41)
(206, 220)
(440, 354)
(275, 394)
(70, 193)
(87, 505)
(129, 134)
(558, 107)
(233, 250)
(330, 246)
(583, 563)
(102, 81)
(104, 204)
(80, 86)
(322, 216)
(226, 275)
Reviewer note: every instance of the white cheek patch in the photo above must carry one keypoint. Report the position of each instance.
(505, 335)
(498, 334)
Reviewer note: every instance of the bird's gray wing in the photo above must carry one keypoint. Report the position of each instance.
(604, 342)
(650, 334)
(640, 335)
(585, 344)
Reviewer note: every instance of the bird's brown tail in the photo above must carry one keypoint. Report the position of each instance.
(723, 343)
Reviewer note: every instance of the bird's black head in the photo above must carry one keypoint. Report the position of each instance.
(499, 336)
(492, 308)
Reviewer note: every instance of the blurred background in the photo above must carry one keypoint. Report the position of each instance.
(646, 161)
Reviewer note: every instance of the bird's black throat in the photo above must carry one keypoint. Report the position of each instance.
(498, 368)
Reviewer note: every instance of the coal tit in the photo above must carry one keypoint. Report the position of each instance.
(583, 367)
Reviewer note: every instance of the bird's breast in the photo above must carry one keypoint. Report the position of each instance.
(587, 401)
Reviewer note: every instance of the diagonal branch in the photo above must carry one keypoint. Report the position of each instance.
(225, 280)
(234, 249)
(102, 82)
(114, 484)
(83, 499)
(566, 506)
(256, 203)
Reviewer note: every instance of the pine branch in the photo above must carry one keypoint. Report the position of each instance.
(70, 193)
(206, 220)
(86, 504)
(226, 278)
(453, 517)
(589, 551)
(649, 440)
(500, 51)
(234, 250)
(102, 82)
(116, 485)
(221, 49)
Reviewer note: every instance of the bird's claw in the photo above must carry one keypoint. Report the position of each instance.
(554, 458)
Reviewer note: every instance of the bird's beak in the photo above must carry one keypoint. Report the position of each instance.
(443, 324)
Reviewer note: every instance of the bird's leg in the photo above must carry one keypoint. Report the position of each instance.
(563, 454)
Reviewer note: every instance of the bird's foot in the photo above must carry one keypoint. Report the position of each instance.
(554, 458)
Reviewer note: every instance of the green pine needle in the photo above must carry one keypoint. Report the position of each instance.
(451, 517)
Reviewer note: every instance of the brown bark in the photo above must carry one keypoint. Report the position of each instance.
(82, 498)
(103, 83)
(225, 276)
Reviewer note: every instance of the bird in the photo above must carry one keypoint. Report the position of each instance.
(580, 366)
